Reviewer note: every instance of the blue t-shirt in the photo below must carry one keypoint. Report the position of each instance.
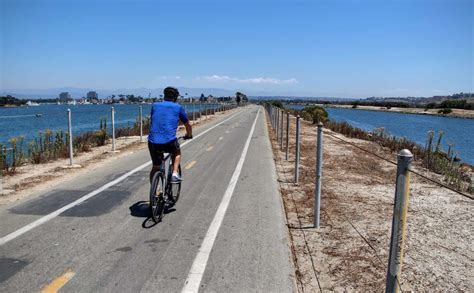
(165, 117)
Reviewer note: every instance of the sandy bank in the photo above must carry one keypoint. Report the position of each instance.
(457, 113)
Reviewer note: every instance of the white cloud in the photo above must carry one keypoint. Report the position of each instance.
(255, 80)
(165, 77)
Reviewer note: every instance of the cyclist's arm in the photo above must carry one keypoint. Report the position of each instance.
(183, 116)
(189, 129)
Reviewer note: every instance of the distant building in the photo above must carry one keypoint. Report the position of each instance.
(64, 97)
(92, 95)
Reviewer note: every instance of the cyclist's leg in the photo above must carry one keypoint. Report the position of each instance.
(156, 156)
(174, 150)
(176, 161)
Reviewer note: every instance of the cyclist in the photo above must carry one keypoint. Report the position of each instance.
(165, 117)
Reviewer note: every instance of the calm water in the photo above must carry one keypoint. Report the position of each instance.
(24, 121)
(457, 131)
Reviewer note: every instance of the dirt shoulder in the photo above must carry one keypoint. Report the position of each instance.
(350, 250)
(33, 178)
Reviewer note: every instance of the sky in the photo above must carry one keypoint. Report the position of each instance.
(336, 48)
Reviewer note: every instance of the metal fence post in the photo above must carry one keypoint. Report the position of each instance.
(113, 129)
(141, 123)
(319, 171)
(277, 123)
(287, 134)
(69, 129)
(400, 208)
(281, 129)
(194, 112)
(297, 151)
(274, 119)
(271, 115)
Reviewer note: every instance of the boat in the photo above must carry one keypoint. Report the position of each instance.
(30, 103)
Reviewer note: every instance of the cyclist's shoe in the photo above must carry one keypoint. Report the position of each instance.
(176, 179)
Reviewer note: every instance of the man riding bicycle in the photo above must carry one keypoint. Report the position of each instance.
(165, 117)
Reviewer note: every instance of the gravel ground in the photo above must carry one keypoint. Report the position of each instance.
(350, 250)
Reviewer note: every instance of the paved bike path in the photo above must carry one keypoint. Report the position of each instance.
(102, 243)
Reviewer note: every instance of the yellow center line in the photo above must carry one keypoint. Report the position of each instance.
(209, 148)
(58, 283)
(190, 165)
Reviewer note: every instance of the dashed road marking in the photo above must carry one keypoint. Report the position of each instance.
(210, 148)
(190, 165)
(59, 282)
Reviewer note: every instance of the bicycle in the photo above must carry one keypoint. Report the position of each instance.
(163, 193)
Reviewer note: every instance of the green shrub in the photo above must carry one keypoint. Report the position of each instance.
(48, 146)
(315, 114)
(445, 111)
(13, 157)
(278, 104)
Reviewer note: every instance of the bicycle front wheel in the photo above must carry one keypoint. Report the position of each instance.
(157, 201)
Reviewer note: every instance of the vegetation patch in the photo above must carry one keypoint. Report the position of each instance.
(456, 174)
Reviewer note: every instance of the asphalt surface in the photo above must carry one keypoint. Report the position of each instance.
(108, 243)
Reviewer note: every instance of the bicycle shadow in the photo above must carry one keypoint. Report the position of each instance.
(141, 209)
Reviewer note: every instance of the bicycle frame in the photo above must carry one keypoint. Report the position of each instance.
(166, 175)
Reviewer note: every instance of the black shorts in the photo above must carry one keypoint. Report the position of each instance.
(157, 150)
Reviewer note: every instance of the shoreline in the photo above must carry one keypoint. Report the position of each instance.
(457, 113)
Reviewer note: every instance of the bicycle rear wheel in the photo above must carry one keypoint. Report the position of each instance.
(157, 201)
(174, 189)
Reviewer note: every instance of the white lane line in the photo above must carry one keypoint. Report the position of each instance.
(56, 213)
(196, 273)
